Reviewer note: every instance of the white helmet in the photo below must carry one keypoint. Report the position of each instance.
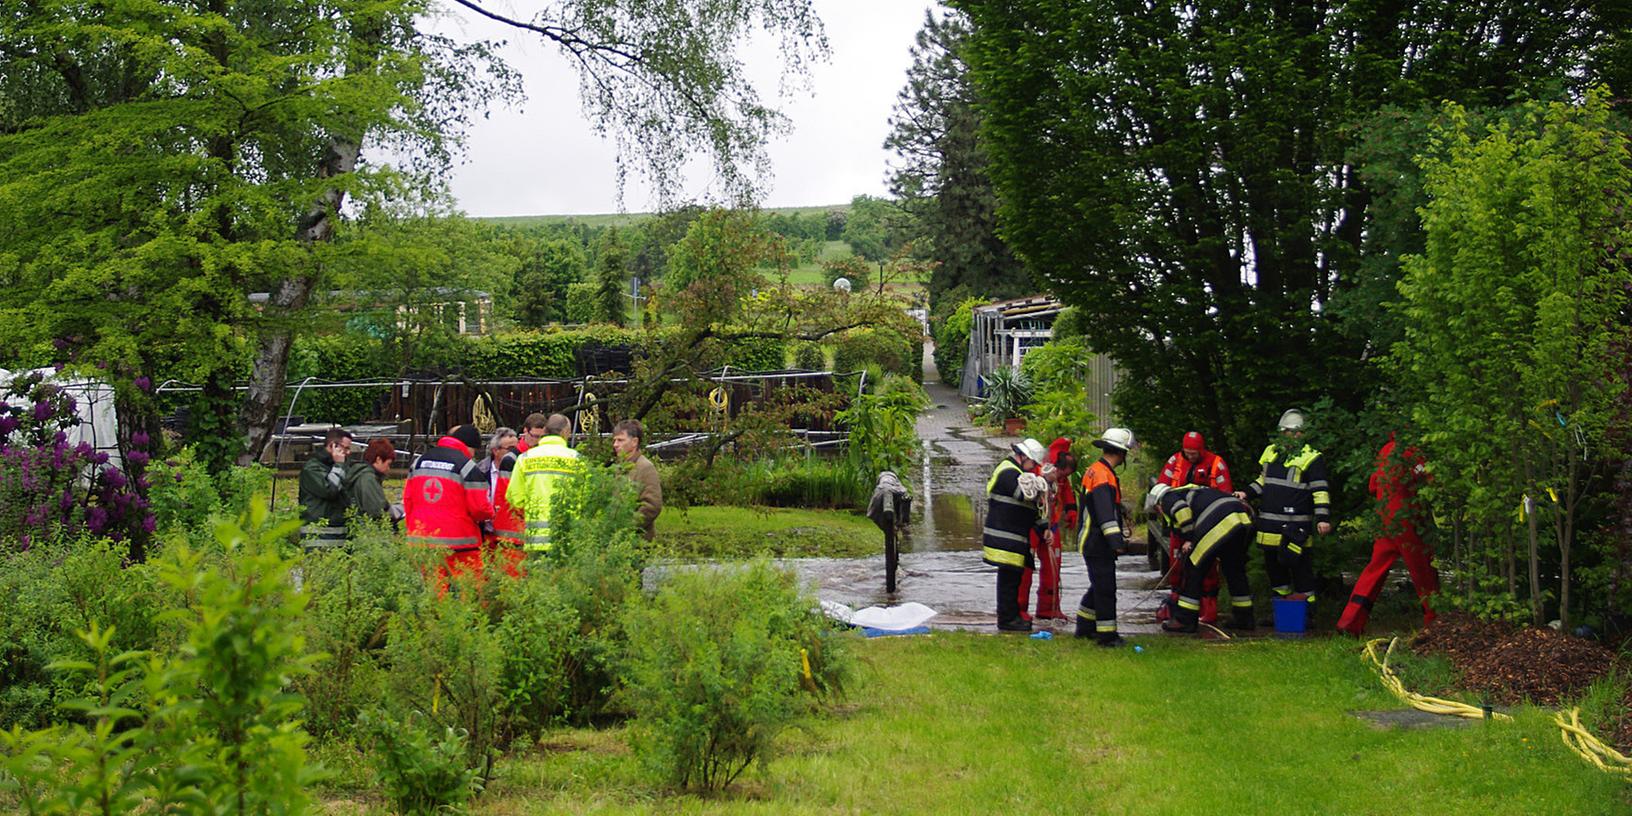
(1291, 421)
(1031, 449)
(1154, 496)
(1115, 439)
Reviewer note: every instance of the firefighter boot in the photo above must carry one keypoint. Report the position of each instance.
(1241, 619)
(1184, 616)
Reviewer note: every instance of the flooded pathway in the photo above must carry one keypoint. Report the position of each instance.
(940, 561)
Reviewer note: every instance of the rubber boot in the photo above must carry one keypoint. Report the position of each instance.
(1165, 611)
(1209, 609)
(1241, 619)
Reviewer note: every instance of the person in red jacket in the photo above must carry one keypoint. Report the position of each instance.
(1193, 465)
(1394, 485)
(1062, 526)
(445, 502)
(504, 532)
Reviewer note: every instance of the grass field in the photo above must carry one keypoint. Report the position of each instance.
(961, 723)
(740, 532)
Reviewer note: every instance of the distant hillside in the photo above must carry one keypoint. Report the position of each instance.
(627, 219)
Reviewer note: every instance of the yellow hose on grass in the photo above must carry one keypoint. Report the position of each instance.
(1589, 747)
(1432, 705)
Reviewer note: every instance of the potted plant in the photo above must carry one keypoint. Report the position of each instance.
(1007, 389)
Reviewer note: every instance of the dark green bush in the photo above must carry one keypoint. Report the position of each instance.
(810, 356)
(354, 594)
(892, 351)
(720, 662)
(48, 594)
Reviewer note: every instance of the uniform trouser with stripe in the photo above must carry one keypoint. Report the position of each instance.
(1097, 610)
(1419, 561)
(1008, 593)
(1285, 580)
(1231, 555)
(1181, 568)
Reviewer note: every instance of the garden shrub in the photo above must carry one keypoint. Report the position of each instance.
(952, 341)
(49, 593)
(717, 668)
(810, 356)
(542, 647)
(421, 773)
(883, 434)
(444, 664)
(891, 351)
(206, 725)
(337, 357)
(354, 593)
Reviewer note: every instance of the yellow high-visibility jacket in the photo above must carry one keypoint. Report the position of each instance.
(533, 484)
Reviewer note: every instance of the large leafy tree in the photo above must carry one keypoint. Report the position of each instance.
(1513, 341)
(1183, 173)
(162, 159)
(939, 174)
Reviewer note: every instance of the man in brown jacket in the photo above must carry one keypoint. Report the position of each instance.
(626, 436)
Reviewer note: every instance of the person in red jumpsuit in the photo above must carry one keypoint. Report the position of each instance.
(1061, 466)
(1193, 465)
(1394, 485)
(445, 499)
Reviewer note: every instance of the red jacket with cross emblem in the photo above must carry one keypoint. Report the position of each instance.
(445, 500)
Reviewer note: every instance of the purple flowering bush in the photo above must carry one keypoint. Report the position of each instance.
(49, 487)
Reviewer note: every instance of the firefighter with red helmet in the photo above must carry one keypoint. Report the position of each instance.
(445, 502)
(1394, 485)
(1194, 464)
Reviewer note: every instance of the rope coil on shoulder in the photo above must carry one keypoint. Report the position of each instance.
(1421, 702)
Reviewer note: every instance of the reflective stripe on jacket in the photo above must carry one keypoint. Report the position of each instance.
(1209, 471)
(1203, 516)
(1005, 540)
(538, 473)
(1293, 495)
(445, 498)
(1102, 533)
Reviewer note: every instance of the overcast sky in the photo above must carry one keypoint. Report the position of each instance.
(543, 158)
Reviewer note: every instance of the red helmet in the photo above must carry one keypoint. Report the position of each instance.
(1194, 442)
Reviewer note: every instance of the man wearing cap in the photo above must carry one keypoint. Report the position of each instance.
(1102, 536)
(1013, 497)
(1293, 496)
(445, 501)
(1194, 464)
(1216, 528)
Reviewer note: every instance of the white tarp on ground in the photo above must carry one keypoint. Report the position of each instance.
(93, 402)
(887, 618)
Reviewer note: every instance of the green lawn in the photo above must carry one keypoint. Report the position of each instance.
(738, 532)
(960, 723)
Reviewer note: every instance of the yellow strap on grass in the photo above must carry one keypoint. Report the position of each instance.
(1589, 747)
(1432, 705)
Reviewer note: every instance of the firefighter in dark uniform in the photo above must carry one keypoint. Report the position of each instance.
(1012, 511)
(1102, 536)
(1216, 528)
(1294, 500)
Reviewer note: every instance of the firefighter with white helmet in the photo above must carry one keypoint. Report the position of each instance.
(1294, 499)
(1013, 502)
(1102, 536)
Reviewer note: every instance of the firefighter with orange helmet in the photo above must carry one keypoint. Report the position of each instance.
(1194, 464)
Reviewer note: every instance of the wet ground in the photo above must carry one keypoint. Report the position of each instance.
(940, 561)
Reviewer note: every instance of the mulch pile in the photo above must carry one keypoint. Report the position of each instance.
(1511, 663)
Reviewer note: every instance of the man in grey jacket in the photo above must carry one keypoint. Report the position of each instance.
(626, 438)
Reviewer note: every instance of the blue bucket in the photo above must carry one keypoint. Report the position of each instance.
(1291, 617)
